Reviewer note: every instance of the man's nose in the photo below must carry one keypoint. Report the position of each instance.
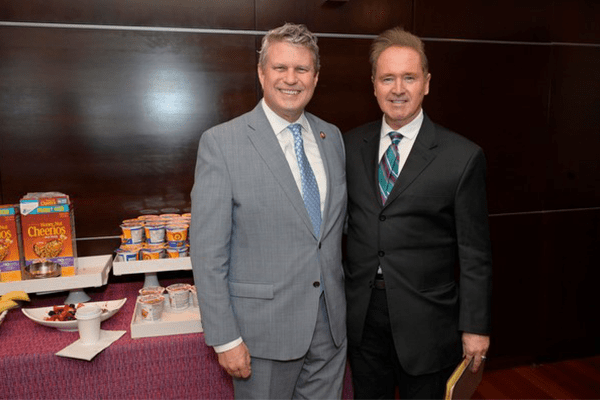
(398, 87)
(290, 76)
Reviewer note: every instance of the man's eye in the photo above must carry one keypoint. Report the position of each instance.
(409, 78)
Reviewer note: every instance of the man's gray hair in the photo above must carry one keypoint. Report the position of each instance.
(296, 34)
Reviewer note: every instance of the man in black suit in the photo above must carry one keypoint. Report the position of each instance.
(417, 208)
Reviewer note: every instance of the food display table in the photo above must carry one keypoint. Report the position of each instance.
(164, 367)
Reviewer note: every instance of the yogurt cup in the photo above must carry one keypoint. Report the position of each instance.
(176, 252)
(152, 252)
(132, 234)
(177, 232)
(170, 216)
(155, 232)
(148, 217)
(128, 253)
(156, 290)
(179, 296)
(151, 307)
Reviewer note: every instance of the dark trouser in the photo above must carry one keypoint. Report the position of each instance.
(376, 371)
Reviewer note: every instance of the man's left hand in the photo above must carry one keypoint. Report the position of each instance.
(475, 347)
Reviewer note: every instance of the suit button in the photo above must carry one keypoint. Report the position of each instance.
(316, 284)
(381, 253)
(319, 245)
(382, 217)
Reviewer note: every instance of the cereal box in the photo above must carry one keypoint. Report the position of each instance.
(10, 244)
(48, 230)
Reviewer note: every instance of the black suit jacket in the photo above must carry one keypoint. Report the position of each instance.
(434, 220)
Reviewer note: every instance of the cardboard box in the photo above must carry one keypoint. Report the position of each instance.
(11, 253)
(48, 230)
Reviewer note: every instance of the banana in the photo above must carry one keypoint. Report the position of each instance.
(15, 295)
(7, 305)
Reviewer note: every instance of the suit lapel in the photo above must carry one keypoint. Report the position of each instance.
(370, 155)
(265, 143)
(317, 129)
(421, 154)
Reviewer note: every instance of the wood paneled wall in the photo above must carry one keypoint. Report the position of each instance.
(108, 102)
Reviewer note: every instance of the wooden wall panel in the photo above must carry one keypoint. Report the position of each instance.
(114, 118)
(344, 94)
(517, 245)
(497, 96)
(232, 14)
(569, 276)
(575, 120)
(576, 21)
(524, 20)
(363, 17)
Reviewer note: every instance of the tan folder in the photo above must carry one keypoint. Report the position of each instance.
(463, 383)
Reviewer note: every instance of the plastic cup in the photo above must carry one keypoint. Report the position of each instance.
(151, 307)
(88, 323)
(152, 252)
(155, 232)
(179, 296)
(177, 233)
(132, 234)
(156, 290)
(128, 253)
(176, 252)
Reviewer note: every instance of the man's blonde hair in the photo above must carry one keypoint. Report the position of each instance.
(296, 34)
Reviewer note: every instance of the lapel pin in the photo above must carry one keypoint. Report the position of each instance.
(322, 135)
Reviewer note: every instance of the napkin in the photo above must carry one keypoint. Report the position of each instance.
(82, 351)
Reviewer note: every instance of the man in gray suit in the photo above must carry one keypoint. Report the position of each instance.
(268, 207)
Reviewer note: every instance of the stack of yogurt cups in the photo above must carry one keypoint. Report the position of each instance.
(150, 237)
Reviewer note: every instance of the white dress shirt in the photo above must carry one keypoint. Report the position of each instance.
(409, 135)
(286, 141)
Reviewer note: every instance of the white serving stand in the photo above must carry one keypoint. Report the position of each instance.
(151, 267)
(91, 272)
(171, 323)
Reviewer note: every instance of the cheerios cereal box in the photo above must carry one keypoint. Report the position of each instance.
(48, 230)
(11, 255)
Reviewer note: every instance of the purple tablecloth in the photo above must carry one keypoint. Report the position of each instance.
(169, 367)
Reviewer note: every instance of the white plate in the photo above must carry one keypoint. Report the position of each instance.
(2, 315)
(38, 314)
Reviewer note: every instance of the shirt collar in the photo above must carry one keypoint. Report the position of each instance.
(279, 124)
(408, 131)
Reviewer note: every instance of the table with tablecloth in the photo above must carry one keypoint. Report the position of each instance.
(164, 367)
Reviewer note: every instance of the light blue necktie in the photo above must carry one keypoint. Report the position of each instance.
(310, 190)
(388, 167)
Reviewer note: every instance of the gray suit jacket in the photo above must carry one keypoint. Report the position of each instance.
(254, 255)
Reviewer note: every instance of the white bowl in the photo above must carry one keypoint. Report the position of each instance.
(109, 308)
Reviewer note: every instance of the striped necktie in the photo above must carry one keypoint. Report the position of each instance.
(310, 190)
(388, 167)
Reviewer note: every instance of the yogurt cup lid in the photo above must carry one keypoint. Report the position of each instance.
(178, 286)
(151, 299)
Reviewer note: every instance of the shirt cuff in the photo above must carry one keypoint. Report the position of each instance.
(228, 346)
